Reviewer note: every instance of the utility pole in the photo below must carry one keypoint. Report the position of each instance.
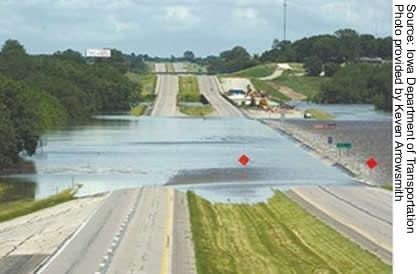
(284, 19)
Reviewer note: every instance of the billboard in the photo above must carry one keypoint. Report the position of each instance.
(103, 53)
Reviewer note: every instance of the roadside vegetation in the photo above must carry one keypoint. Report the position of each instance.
(45, 91)
(14, 209)
(270, 89)
(193, 67)
(274, 237)
(202, 110)
(319, 114)
(170, 67)
(188, 89)
(388, 187)
(189, 93)
(138, 110)
(309, 86)
(255, 72)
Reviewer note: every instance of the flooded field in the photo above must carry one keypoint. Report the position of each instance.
(113, 152)
(347, 112)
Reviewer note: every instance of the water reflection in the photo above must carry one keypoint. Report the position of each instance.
(113, 152)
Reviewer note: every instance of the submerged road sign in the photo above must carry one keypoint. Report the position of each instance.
(372, 163)
(344, 145)
(244, 160)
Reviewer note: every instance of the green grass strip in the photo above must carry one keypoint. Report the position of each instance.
(274, 237)
(138, 110)
(306, 85)
(269, 88)
(11, 210)
(255, 72)
(196, 110)
(188, 89)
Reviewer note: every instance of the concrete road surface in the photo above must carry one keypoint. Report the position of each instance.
(144, 230)
(209, 88)
(361, 213)
(179, 67)
(26, 241)
(165, 103)
(160, 67)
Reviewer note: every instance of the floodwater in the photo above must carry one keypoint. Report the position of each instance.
(347, 112)
(120, 151)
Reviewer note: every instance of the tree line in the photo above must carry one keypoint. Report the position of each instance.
(45, 91)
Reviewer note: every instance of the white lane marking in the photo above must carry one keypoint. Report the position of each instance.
(62, 248)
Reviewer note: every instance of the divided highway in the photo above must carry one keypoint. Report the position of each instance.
(167, 90)
(362, 213)
(132, 232)
(210, 89)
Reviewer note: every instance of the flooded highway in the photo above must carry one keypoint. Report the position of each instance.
(119, 151)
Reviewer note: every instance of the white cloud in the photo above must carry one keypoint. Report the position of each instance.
(247, 16)
(179, 17)
(118, 24)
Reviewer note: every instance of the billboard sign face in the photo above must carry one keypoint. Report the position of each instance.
(103, 53)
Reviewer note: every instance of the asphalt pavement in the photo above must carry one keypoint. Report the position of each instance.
(160, 67)
(362, 213)
(165, 103)
(209, 88)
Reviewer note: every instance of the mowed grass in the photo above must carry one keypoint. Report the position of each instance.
(269, 238)
(138, 110)
(188, 89)
(320, 114)
(255, 72)
(270, 89)
(306, 85)
(14, 209)
(170, 67)
(196, 110)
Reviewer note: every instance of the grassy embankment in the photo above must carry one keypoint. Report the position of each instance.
(14, 209)
(274, 237)
(306, 85)
(320, 114)
(255, 72)
(170, 67)
(388, 187)
(148, 84)
(189, 93)
(269, 88)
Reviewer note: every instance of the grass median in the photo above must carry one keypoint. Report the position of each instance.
(14, 209)
(274, 237)
(189, 93)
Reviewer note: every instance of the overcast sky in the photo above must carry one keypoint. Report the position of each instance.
(165, 27)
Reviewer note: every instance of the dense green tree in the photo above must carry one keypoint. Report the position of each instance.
(331, 68)
(189, 56)
(349, 44)
(313, 65)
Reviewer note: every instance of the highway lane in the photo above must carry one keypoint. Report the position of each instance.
(160, 67)
(167, 90)
(179, 67)
(143, 230)
(209, 88)
(142, 247)
(364, 211)
(85, 251)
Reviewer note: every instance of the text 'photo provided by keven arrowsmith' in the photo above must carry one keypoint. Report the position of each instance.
(404, 150)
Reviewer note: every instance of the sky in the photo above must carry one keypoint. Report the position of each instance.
(170, 27)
